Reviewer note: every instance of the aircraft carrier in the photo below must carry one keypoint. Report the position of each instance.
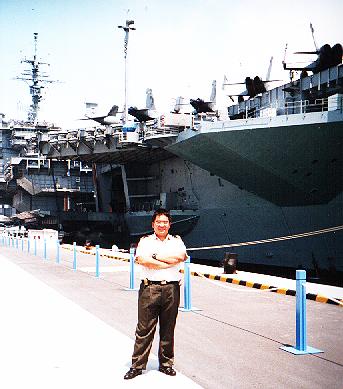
(273, 168)
(270, 167)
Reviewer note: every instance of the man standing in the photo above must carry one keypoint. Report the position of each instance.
(159, 255)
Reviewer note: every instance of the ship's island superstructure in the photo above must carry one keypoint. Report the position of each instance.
(36, 191)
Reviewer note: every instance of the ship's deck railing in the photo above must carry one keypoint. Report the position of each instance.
(205, 117)
(18, 142)
(39, 161)
(156, 204)
(91, 135)
(331, 103)
(153, 132)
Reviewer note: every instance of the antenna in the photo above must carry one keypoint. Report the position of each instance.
(213, 91)
(269, 69)
(225, 80)
(314, 41)
(127, 29)
(284, 56)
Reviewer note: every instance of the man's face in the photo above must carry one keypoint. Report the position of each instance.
(161, 226)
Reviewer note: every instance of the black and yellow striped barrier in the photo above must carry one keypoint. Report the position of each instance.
(290, 292)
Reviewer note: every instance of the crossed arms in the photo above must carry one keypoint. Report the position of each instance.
(161, 261)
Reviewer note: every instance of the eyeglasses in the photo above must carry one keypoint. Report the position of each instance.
(165, 223)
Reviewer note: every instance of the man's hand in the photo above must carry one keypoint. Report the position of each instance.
(172, 259)
(172, 256)
(152, 263)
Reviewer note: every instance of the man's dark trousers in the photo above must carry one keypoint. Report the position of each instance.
(156, 302)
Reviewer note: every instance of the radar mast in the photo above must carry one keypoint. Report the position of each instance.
(36, 79)
(126, 28)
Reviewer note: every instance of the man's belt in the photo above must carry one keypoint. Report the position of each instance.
(147, 282)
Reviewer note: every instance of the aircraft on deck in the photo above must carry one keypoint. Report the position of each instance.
(254, 86)
(202, 106)
(179, 103)
(199, 105)
(110, 118)
(141, 115)
(145, 114)
(327, 57)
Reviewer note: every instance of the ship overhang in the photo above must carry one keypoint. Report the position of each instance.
(288, 160)
(101, 153)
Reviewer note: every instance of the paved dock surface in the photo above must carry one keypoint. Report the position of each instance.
(66, 328)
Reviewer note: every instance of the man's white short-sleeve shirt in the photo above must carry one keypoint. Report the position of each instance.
(150, 245)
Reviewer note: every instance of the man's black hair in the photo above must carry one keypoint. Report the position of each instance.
(161, 211)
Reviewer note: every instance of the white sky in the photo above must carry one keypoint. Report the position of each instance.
(179, 47)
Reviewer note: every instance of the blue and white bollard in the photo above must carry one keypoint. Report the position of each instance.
(74, 261)
(57, 251)
(97, 258)
(28, 245)
(187, 286)
(132, 270)
(35, 247)
(301, 330)
(44, 247)
(187, 294)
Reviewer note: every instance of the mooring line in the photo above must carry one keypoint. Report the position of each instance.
(281, 238)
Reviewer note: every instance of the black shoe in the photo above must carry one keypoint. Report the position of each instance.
(167, 370)
(132, 373)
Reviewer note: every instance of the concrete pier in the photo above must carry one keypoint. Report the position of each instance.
(62, 327)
